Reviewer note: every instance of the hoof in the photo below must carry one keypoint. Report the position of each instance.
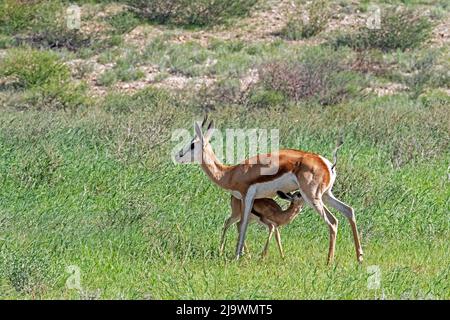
(360, 258)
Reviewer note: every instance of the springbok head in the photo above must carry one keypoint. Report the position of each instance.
(193, 151)
(295, 197)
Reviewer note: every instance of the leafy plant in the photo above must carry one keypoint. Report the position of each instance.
(46, 79)
(262, 98)
(423, 70)
(15, 16)
(124, 21)
(319, 74)
(191, 12)
(305, 23)
(33, 68)
(399, 29)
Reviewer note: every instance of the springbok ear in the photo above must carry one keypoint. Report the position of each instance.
(198, 132)
(204, 120)
(209, 131)
(285, 196)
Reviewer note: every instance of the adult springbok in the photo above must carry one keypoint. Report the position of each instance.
(289, 169)
(267, 212)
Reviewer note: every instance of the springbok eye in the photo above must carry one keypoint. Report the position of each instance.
(192, 146)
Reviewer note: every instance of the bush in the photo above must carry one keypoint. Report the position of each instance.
(42, 24)
(400, 29)
(424, 70)
(319, 74)
(125, 69)
(37, 15)
(44, 77)
(435, 97)
(300, 26)
(53, 95)
(146, 99)
(119, 73)
(15, 16)
(261, 98)
(370, 61)
(6, 41)
(55, 39)
(33, 68)
(191, 12)
(124, 21)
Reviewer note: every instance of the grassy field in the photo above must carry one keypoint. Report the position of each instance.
(88, 187)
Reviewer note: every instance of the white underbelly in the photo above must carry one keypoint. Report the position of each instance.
(287, 182)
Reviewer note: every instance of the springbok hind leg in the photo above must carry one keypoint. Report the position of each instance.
(316, 203)
(350, 215)
(333, 233)
(278, 238)
(266, 247)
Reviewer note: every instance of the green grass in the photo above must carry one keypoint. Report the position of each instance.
(97, 190)
(89, 182)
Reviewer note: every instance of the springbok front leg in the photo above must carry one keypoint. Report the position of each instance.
(278, 238)
(238, 225)
(235, 217)
(350, 215)
(247, 208)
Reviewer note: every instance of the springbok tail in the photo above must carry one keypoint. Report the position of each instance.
(339, 143)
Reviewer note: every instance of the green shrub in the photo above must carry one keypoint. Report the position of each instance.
(124, 21)
(53, 95)
(36, 16)
(15, 16)
(320, 74)
(423, 70)
(435, 97)
(48, 30)
(400, 29)
(57, 38)
(33, 68)
(6, 41)
(149, 98)
(370, 61)
(125, 69)
(107, 78)
(42, 24)
(45, 78)
(301, 25)
(191, 12)
(222, 93)
(188, 58)
(262, 98)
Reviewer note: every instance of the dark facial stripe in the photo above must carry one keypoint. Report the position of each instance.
(183, 152)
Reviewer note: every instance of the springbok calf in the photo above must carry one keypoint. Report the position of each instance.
(267, 212)
(311, 174)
